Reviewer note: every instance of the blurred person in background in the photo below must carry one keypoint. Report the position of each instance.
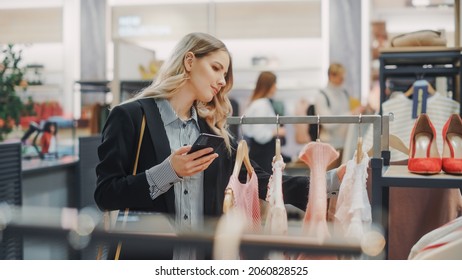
(262, 137)
(332, 100)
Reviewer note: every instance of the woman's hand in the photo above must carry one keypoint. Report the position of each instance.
(189, 164)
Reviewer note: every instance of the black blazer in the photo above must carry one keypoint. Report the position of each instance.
(118, 189)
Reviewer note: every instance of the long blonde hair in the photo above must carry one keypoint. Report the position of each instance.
(172, 76)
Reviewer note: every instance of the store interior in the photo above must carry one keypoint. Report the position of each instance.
(81, 57)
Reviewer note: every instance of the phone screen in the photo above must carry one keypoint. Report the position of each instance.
(206, 140)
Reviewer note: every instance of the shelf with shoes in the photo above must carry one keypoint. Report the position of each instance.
(386, 177)
(399, 175)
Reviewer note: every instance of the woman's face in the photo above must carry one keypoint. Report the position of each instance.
(207, 75)
(272, 90)
(337, 78)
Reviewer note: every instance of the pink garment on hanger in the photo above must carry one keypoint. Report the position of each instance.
(353, 215)
(246, 198)
(317, 156)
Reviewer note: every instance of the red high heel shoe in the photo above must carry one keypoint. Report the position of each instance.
(452, 148)
(423, 151)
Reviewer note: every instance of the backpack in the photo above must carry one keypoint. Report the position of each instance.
(311, 111)
(312, 128)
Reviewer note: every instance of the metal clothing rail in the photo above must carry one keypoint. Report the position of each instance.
(156, 229)
(375, 120)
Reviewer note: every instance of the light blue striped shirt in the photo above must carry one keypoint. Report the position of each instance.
(188, 190)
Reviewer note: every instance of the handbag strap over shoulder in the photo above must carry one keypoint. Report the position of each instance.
(135, 167)
(140, 140)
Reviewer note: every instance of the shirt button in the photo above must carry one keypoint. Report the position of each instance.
(184, 125)
(185, 192)
(185, 217)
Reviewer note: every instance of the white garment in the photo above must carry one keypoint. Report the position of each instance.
(439, 109)
(276, 219)
(444, 242)
(353, 215)
(227, 241)
(261, 133)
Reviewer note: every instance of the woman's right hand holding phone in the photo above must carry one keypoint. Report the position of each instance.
(189, 164)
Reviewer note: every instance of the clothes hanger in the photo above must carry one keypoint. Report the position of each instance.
(410, 91)
(359, 145)
(278, 141)
(396, 143)
(317, 136)
(242, 155)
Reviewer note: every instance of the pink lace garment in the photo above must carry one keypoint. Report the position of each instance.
(317, 156)
(246, 198)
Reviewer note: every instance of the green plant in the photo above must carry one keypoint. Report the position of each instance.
(11, 76)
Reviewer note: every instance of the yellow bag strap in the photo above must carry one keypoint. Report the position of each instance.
(140, 140)
(135, 167)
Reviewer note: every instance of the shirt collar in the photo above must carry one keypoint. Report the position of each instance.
(169, 115)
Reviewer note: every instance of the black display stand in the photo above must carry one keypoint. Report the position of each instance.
(420, 63)
(129, 88)
(398, 176)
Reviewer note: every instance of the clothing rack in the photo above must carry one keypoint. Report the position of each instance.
(156, 228)
(375, 120)
(251, 242)
(381, 153)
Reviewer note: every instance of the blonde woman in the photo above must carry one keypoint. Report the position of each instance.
(189, 96)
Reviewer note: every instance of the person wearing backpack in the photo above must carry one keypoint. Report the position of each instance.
(332, 100)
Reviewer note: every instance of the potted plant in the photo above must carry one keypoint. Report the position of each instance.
(11, 76)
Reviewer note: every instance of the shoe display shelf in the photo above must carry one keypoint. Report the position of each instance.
(385, 176)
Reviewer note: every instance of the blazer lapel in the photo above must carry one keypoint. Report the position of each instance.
(159, 140)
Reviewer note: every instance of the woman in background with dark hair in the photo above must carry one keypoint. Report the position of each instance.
(262, 137)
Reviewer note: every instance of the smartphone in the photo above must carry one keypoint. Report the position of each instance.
(206, 140)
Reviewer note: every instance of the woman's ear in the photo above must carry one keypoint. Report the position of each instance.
(188, 61)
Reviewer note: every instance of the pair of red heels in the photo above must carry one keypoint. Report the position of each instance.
(423, 152)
